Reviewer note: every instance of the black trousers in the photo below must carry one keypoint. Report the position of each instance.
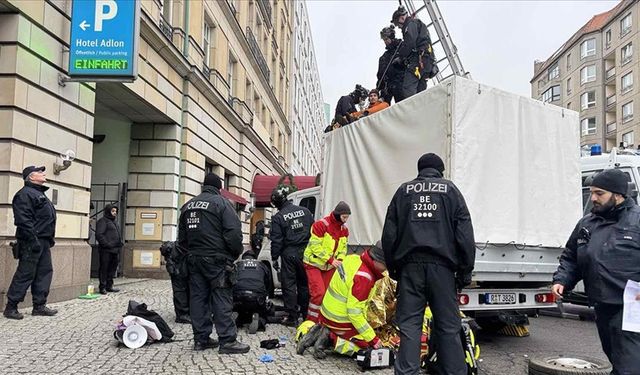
(621, 347)
(108, 267)
(34, 270)
(180, 287)
(246, 304)
(210, 294)
(411, 84)
(419, 284)
(295, 287)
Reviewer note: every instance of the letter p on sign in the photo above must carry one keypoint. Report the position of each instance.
(111, 10)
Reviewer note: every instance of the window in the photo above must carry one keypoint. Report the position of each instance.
(588, 126)
(568, 86)
(552, 94)
(627, 112)
(588, 48)
(206, 42)
(625, 25)
(248, 95)
(568, 61)
(167, 10)
(626, 53)
(588, 100)
(588, 74)
(607, 38)
(553, 72)
(231, 74)
(627, 82)
(628, 139)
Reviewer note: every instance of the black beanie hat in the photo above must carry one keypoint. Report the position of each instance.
(376, 252)
(212, 179)
(342, 208)
(612, 180)
(431, 160)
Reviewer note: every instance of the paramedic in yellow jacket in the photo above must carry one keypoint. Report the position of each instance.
(343, 315)
(326, 249)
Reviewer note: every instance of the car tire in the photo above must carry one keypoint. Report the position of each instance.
(569, 365)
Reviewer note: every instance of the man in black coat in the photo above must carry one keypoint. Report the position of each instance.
(389, 75)
(175, 259)
(110, 244)
(251, 292)
(346, 111)
(289, 234)
(604, 251)
(430, 249)
(210, 230)
(35, 221)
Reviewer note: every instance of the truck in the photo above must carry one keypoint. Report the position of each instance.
(516, 161)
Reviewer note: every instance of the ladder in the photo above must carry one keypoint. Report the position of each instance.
(450, 64)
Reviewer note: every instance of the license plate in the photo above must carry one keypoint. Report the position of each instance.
(500, 298)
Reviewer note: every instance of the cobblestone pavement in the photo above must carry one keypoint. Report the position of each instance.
(79, 340)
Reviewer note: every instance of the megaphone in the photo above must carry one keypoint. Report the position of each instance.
(134, 336)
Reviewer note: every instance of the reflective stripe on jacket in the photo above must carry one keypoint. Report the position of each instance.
(328, 241)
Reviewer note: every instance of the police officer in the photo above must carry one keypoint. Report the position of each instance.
(415, 55)
(346, 111)
(429, 248)
(389, 75)
(35, 221)
(210, 230)
(604, 251)
(290, 232)
(251, 292)
(175, 258)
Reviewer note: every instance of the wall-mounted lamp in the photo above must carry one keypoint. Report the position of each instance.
(63, 161)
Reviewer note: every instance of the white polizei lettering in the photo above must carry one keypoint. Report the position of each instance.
(195, 205)
(101, 15)
(293, 215)
(426, 187)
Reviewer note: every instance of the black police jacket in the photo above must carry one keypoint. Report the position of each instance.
(393, 74)
(604, 251)
(415, 37)
(290, 231)
(34, 214)
(253, 276)
(209, 226)
(345, 106)
(428, 222)
(108, 232)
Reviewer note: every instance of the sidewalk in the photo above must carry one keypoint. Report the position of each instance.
(79, 340)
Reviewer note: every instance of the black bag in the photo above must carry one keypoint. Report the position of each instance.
(375, 358)
(140, 310)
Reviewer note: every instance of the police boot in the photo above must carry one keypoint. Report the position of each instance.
(11, 312)
(43, 311)
(255, 323)
(322, 343)
(235, 347)
(210, 344)
(184, 319)
(113, 290)
(309, 339)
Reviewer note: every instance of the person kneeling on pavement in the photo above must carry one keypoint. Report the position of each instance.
(250, 294)
(343, 322)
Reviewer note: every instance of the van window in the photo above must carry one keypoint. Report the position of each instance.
(310, 204)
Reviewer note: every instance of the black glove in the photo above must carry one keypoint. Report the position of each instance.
(276, 265)
(462, 280)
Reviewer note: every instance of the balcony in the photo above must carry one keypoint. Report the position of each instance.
(255, 49)
(265, 8)
(611, 127)
(611, 73)
(611, 100)
(166, 28)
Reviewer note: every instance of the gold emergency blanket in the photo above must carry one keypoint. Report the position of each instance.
(382, 309)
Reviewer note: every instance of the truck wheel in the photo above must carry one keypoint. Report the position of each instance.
(572, 365)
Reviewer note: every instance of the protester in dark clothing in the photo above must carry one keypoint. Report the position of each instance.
(257, 238)
(290, 232)
(175, 259)
(430, 249)
(35, 221)
(110, 244)
(251, 292)
(389, 75)
(604, 251)
(210, 230)
(415, 55)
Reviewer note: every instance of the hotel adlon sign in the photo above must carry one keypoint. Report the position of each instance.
(104, 40)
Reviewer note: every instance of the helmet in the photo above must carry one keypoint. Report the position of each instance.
(388, 33)
(359, 93)
(401, 11)
(279, 195)
(303, 328)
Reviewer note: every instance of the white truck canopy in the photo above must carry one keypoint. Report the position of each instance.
(516, 161)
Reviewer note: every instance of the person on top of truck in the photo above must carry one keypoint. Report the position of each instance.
(326, 249)
(346, 111)
(430, 249)
(389, 76)
(375, 104)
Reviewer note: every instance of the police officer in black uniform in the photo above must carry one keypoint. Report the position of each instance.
(175, 258)
(290, 233)
(415, 55)
(35, 221)
(209, 229)
(389, 75)
(430, 249)
(604, 251)
(251, 292)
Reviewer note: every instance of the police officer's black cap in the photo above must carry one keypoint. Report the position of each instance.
(401, 11)
(30, 169)
(212, 179)
(388, 33)
(431, 160)
(612, 180)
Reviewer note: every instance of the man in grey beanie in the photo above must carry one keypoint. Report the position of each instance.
(604, 252)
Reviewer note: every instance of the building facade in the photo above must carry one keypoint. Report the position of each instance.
(213, 93)
(307, 118)
(594, 73)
